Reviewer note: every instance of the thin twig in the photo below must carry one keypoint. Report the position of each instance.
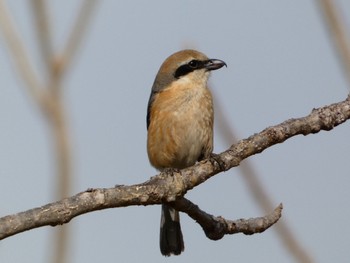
(76, 35)
(338, 33)
(43, 30)
(21, 58)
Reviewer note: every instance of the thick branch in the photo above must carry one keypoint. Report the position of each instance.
(170, 188)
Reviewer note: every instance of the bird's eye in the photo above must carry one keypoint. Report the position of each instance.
(188, 68)
(193, 63)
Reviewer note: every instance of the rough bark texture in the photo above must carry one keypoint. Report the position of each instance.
(171, 186)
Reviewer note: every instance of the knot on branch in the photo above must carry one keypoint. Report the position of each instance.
(221, 226)
(217, 230)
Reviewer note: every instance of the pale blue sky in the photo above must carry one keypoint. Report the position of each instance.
(281, 64)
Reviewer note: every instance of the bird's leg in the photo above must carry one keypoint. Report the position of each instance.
(171, 171)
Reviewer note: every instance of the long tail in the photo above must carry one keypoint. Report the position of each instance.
(171, 240)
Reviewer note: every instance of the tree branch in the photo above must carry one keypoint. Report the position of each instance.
(42, 20)
(172, 186)
(216, 227)
(21, 58)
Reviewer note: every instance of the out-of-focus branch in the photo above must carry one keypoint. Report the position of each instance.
(43, 30)
(49, 95)
(172, 186)
(260, 195)
(336, 28)
(21, 59)
(57, 66)
(76, 35)
(64, 174)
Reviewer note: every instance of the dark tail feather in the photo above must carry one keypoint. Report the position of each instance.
(171, 240)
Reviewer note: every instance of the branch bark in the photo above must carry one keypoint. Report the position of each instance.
(172, 186)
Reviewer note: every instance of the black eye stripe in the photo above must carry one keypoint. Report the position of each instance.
(188, 68)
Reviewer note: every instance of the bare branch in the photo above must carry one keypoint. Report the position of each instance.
(43, 30)
(216, 228)
(62, 212)
(79, 27)
(324, 118)
(21, 58)
(49, 96)
(337, 30)
(172, 187)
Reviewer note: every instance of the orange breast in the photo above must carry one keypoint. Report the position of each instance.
(181, 127)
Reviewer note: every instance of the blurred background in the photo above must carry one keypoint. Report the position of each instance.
(75, 82)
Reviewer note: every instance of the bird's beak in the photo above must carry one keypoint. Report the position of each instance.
(213, 64)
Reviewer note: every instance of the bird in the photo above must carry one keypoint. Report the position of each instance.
(180, 120)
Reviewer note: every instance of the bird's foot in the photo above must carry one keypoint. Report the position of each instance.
(216, 159)
(171, 171)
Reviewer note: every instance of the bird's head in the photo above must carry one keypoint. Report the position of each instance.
(185, 66)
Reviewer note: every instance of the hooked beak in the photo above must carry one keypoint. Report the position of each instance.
(213, 64)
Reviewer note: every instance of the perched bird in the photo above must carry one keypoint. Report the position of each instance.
(180, 126)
